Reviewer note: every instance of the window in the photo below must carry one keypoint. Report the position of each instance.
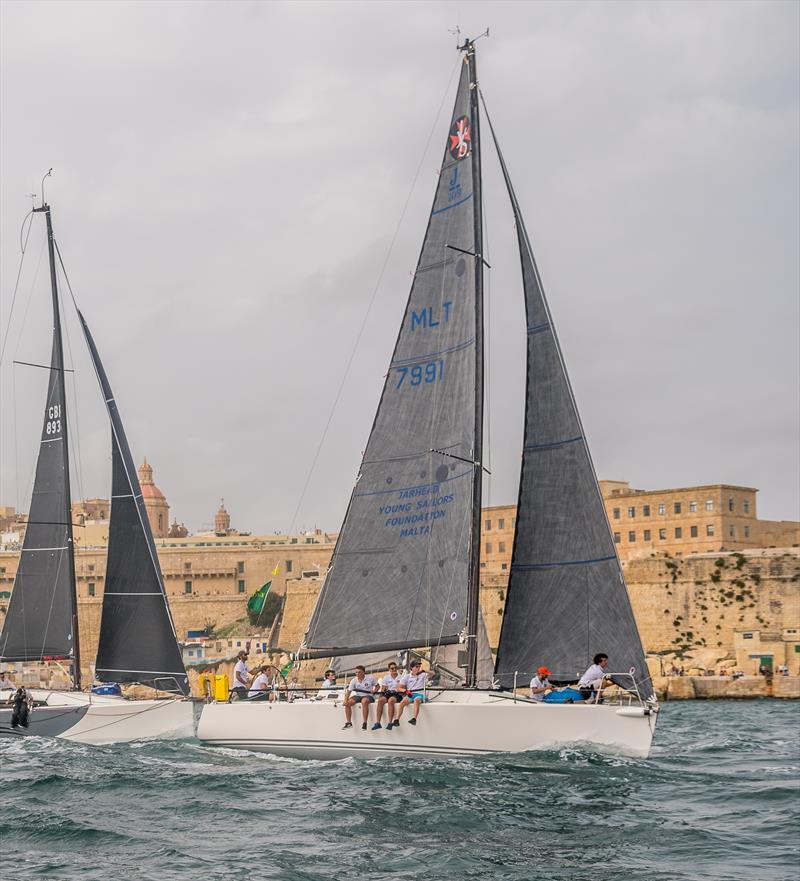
(662, 534)
(501, 547)
(662, 509)
(501, 524)
(513, 522)
(488, 525)
(677, 507)
(488, 547)
(288, 565)
(187, 586)
(678, 532)
(160, 522)
(617, 538)
(240, 586)
(240, 566)
(647, 535)
(631, 536)
(710, 529)
(709, 505)
(645, 510)
(90, 589)
(693, 507)
(747, 636)
(747, 532)
(615, 513)
(631, 512)
(693, 531)
(187, 565)
(483, 565)
(91, 567)
(732, 531)
(730, 504)
(746, 506)
(504, 565)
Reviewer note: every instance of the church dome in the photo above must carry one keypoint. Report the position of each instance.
(149, 489)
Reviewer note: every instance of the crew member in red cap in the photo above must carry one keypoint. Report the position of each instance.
(540, 684)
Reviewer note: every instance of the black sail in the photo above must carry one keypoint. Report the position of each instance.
(567, 598)
(400, 568)
(39, 623)
(137, 637)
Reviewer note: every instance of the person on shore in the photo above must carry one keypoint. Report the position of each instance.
(241, 677)
(360, 691)
(260, 686)
(540, 684)
(391, 692)
(413, 683)
(594, 680)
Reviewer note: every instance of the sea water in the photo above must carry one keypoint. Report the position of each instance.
(718, 799)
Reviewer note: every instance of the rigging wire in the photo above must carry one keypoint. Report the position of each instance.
(77, 461)
(371, 303)
(23, 247)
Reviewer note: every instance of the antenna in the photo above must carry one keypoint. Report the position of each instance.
(49, 172)
(456, 32)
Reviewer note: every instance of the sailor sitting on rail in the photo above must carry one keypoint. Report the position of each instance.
(259, 688)
(392, 692)
(593, 681)
(359, 691)
(414, 684)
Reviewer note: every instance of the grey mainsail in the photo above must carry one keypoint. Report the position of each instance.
(137, 637)
(39, 623)
(401, 565)
(567, 598)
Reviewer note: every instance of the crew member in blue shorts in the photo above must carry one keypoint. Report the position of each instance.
(414, 683)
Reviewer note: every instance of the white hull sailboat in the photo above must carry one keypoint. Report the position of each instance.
(405, 573)
(453, 723)
(137, 640)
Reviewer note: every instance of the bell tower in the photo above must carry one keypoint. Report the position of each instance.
(155, 502)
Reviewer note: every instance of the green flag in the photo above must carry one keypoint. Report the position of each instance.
(256, 602)
(287, 669)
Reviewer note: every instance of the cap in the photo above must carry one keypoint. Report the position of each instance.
(543, 671)
(415, 664)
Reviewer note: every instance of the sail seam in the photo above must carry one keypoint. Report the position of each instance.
(51, 440)
(563, 563)
(552, 445)
(36, 550)
(454, 205)
(122, 593)
(538, 328)
(402, 361)
(169, 672)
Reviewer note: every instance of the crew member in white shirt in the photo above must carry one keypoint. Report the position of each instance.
(392, 692)
(241, 676)
(330, 679)
(360, 691)
(593, 681)
(260, 685)
(414, 685)
(540, 684)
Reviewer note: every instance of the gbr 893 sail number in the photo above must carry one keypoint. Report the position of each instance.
(53, 425)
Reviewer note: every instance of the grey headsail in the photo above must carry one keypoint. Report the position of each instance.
(400, 568)
(137, 637)
(567, 598)
(39, 623)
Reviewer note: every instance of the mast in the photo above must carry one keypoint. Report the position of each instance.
(473, 595)
(58, 351)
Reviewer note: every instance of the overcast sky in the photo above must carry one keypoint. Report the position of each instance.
(229, 177)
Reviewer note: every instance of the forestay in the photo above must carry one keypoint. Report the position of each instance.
(137, 636)
(567, 598)
(400, 568)
(39, 623)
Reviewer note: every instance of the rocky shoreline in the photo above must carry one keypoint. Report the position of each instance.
(681, 688)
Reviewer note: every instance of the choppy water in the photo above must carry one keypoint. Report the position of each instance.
(718, 800)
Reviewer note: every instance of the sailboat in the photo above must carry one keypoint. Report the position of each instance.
(405, 570)
(137, 641)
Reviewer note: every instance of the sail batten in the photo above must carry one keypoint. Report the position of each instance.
(137, 637)
(566, 598)
(401, 564)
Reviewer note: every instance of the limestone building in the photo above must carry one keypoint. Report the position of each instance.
(154, 501)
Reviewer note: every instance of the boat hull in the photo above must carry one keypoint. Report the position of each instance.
(97, 719)
(471, 724)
